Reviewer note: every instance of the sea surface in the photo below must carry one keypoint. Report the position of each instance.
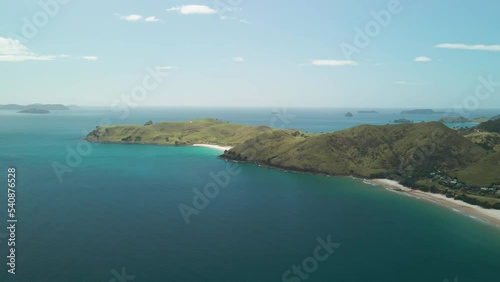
(113, 215)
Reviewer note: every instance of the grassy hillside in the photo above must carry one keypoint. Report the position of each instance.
(201, 131)
(486, 134)
(366, 150)
(490, 126)
(483, 173)
(487, 140)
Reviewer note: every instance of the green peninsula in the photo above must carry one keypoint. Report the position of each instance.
(201, 131)
(428, 156)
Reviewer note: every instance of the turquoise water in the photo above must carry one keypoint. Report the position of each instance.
(119, 209)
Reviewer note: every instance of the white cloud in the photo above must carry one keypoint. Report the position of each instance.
(422, 59)
(138, 18)
(12, 50)
(237, 59)
(132, 18)
(193, 10)
(479, 47)
(151, 19)
(90, 58)
(333, 63)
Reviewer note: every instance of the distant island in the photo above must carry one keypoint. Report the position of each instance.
(402, 120)
(34, 111)
(420, 112)
(348, 114)
(367, 112)
(479, 120)
(454, 119)
(452, 162)
(48, 107)
(460, 119)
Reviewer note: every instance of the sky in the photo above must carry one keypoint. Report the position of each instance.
(240, 53)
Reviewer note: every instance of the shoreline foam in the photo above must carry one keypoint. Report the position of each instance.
(490, 215)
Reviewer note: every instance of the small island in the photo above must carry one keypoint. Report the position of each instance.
(454, 119)
(420, 112)
(348, 114)
(48, 107)
(402, 121)
(34, 111)
(479, 120)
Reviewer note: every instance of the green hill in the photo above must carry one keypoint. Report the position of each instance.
(366, 151)
(485, 172)
(492, 125)
(201, 131)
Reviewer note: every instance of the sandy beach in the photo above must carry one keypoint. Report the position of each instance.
(216, 147)
(490, 215)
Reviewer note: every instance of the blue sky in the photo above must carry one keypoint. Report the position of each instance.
(251, 53)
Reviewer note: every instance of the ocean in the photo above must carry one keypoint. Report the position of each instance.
(112, 212)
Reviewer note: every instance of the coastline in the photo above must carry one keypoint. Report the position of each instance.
(490, 215)
(216, 147)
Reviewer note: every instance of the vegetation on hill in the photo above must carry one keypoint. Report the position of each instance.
(366, 150)
(201, 131)
(485, 172)
(492, 125)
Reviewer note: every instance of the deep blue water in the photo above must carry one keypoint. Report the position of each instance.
(119, 210)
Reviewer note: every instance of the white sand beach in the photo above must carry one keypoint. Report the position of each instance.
(216, 147)
(491, 215)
